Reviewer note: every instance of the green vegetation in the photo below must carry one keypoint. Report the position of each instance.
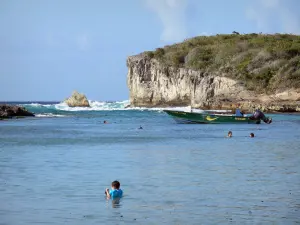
(263, 62)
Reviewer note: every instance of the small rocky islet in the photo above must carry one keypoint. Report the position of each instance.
(13, 111)
(77, 100)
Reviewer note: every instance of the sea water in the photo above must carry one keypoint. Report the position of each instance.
(55, 167)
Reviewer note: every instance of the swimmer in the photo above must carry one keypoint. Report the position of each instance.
(115, 191)
(140, 127)
(229, 134)
(251, 135)
(105, 121)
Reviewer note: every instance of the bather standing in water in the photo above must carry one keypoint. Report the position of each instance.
(229, 134)
(115, 192)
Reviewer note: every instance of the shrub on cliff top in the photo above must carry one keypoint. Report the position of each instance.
(159, 53)
(239, 57)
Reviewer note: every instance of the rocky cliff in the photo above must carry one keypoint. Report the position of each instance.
(153, 81)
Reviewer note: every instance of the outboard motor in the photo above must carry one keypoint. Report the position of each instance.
(259, 115)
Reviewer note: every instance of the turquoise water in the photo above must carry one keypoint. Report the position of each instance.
(54, 169)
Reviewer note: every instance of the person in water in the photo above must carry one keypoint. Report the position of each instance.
(140, 127)
(105, 121)
(229, 134)
(115, 191)
(251, 135)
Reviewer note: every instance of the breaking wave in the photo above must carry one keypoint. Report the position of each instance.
(55, 109)
(49, 115)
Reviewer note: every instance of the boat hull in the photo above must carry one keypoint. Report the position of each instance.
(191, 117)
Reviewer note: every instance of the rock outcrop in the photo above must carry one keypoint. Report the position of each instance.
(153, 84)
(220, 72)
(77, 100)
(10, 111)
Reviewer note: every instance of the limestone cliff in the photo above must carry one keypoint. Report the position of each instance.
(152, 84)
(220, 72)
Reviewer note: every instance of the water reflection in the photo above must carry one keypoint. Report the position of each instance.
(116, 203)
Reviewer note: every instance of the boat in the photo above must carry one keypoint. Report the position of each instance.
(207, 117)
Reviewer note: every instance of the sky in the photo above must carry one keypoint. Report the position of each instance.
(48, 48)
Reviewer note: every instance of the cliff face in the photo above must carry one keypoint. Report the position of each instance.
(153, 84)
(220, 72)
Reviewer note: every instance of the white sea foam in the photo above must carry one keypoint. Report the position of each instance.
(112, 106)
(108, 106)
(160, 109)
(95, 106)
(38, 105)
(34, 104)
(49, 115)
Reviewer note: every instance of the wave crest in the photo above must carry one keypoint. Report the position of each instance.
(59, 109)
(95, 106)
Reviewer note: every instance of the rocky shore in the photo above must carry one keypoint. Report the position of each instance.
(13, 111)
(153, 84)
(249, 78)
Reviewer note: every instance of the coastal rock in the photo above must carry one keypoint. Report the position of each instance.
(9, 111)
(153, 84)
(77, 100)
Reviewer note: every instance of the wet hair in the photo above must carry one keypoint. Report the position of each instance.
(115, 184)
(230, 132)
(251, 135)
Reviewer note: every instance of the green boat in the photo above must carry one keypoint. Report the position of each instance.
(216, 118)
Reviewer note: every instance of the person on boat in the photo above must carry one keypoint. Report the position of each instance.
(238, 112)
(229, 134)
(115, 191)
(259, 115)
(252, 135)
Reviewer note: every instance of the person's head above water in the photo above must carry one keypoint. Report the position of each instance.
(229, 134)
(115, 191)
(251, 135)
(115, 184)
(104, 121)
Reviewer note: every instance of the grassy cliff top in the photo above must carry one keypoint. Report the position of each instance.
(265, 63)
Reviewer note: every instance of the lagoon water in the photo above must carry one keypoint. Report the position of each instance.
(54, 169)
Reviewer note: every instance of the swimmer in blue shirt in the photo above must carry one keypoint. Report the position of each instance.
(115, 191)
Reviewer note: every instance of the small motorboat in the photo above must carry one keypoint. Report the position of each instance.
(215, 117)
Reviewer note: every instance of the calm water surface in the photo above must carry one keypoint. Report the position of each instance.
(55, 170)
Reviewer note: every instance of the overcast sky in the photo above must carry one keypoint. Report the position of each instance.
(50, 48)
